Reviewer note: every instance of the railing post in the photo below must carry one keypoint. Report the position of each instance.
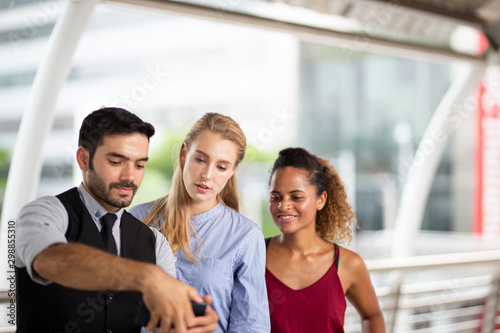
(491, 306)
(397, 281)
(426, 160)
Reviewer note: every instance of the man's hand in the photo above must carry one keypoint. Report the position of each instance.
(206, 323)
(167, 300)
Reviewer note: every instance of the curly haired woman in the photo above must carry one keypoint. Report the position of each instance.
(308, 275)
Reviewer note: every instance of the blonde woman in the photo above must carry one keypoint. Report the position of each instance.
(218, 250)
(308, 275)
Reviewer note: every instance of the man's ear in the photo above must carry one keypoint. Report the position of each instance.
(83, 158)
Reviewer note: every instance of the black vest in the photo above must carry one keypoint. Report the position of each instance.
(57, 309)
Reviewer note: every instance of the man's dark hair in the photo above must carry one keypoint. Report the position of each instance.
(107, 121)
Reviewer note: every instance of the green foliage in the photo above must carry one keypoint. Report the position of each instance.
(163, 159)
(264, 158)
(153, 186)
(4, 159)
(159, 169)
(258, 155)
(4, 171)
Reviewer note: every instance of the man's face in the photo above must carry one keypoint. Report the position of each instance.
(117, 169)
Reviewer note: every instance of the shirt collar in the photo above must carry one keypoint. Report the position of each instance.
(206, 216)
(95, 209)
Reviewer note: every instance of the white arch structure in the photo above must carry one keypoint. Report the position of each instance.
(37, 120)
(24, 173)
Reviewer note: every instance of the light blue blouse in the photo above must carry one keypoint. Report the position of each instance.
(231, 267)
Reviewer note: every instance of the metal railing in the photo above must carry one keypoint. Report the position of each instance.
(456, 292)
(438, 293)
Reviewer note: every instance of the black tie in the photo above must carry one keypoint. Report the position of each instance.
(107, 234)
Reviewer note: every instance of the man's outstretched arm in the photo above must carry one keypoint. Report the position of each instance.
(82, 267)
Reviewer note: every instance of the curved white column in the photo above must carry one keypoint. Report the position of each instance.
(37, 121)
(456, 107)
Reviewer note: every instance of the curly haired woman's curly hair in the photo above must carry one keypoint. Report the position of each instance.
(333, 222)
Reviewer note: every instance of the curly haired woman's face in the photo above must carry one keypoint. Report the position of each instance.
(293, 202)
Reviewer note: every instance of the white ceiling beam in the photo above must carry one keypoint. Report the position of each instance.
(348, 41)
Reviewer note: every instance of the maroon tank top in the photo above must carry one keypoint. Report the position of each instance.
(319, 307)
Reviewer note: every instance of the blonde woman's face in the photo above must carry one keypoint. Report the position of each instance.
(208, 165)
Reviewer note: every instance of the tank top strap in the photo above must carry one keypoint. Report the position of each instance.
(336, 260)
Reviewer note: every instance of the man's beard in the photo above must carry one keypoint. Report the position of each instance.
(103, 192)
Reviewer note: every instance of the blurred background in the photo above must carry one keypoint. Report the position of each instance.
(365, 109)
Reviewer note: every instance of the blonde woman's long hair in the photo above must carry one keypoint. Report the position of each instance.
(172, 210)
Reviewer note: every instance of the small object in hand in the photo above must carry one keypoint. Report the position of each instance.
(142, 317)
